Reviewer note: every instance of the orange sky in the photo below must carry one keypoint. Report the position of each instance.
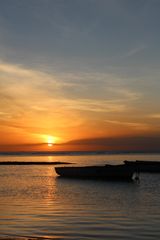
(31, 115)
(68, 77)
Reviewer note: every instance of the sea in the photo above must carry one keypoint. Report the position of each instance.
(36, 204)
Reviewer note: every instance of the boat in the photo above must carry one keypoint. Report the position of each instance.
(144, 166)
(107, 172)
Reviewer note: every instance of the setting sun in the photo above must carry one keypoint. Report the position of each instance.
(50, 141)
(50, 144)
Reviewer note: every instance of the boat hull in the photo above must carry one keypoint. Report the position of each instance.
(144, 166)
(108, 172)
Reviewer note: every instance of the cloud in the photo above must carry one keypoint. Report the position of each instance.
(20, 83)
(99, 92)
(136, 125)
(34, 102)
(135, 143)
(155, 116)
(95, 105)
(134, 51)
(101, 86)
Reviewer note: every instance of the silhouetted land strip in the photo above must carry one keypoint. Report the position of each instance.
(145, 166)
(32, 163)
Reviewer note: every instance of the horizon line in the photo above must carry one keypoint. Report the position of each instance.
(77, 151)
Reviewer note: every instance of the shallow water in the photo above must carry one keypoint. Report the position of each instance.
(35, 203)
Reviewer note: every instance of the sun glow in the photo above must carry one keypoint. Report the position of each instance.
(50, 141)
(50, 144)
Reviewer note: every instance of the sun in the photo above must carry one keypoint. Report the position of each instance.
(50, 144)
(50, 141)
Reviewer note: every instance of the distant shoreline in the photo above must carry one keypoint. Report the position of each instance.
(73, 153)
(32, 163)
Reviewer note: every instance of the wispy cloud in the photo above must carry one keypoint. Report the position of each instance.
(134, 51)
(90, 89)
(34, 102)
(155, 116)
(95, 105)
(136, 125)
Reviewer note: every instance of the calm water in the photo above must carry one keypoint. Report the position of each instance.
(35, 203)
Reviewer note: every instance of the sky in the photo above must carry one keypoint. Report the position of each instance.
(79, 75)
